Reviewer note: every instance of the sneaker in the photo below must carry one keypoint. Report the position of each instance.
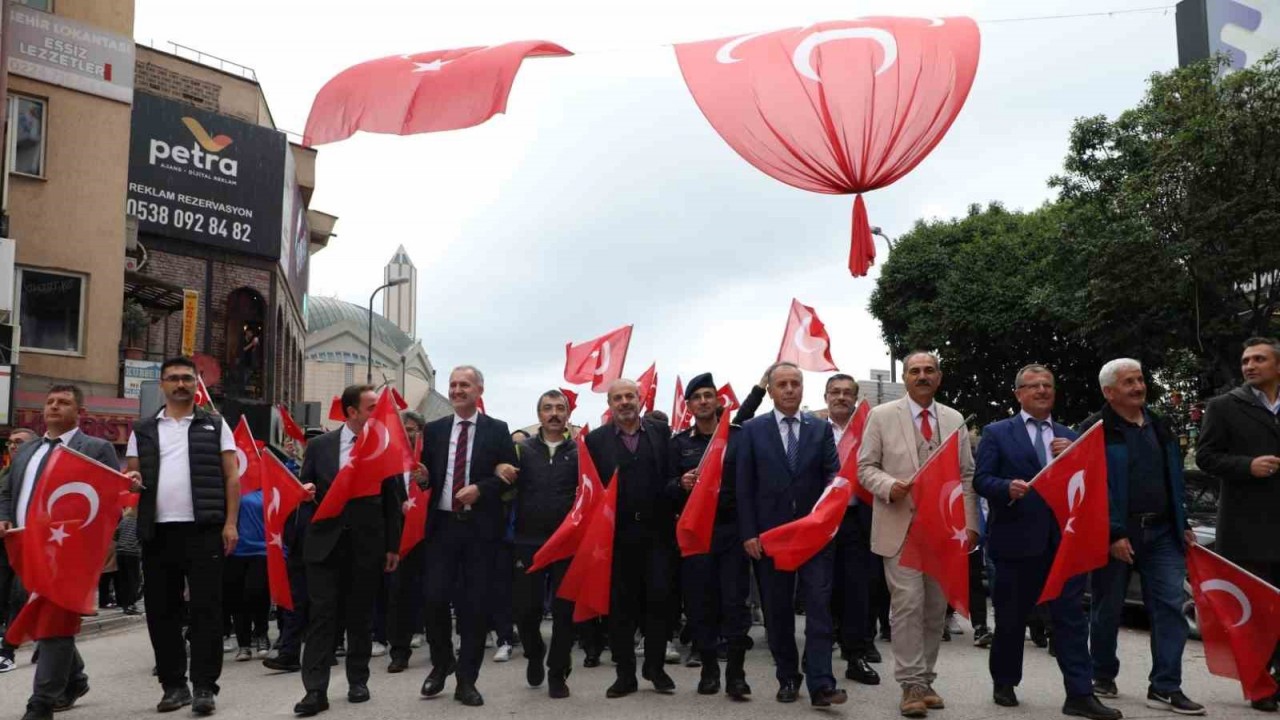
(7, 664)
(1106, 689)
(273, 654)
(503, 654)
(228, 645)
(261, 646)
(377, 649)
(488, 640)
(244, 654)
(982, 637)
(340, 651)
(419, 639)
(953, 625)
(692, 659)
(673, 654)
(1175, 701)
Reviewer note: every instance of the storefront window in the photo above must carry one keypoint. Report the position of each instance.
(52, 310)
(45, 5)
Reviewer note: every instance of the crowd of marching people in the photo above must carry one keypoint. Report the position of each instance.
(484, 535)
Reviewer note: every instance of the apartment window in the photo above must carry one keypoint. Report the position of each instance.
(26, 135)
(45, 5)
(51, 308)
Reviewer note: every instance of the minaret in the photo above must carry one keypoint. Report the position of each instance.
(400, 303)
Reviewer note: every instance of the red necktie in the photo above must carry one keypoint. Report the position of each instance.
(926, 427)
(460, 465)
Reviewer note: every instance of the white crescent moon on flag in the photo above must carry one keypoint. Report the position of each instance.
(802, 58)
(605, 359)
(384, 437)
(798, 341)
(1075, 490)
(75, 488)
(587, 490)
(242, 460)
(273, 507)
(936, 22)
(724, 55)
(1230, 588)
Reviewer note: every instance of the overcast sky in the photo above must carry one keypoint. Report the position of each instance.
(604, 197)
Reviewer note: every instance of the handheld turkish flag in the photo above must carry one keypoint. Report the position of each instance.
(805, 341)
(1074, 485)
(401, 404)
(728, 398)
(248, 458)
(203, 399)
(571, 398)
(937, 544)
(290, 427)
(39, 618)
(588, 579)
(793, 544)
(418, 93)
(415, 518)
(598, 361)
(564, 541)
(336, 412)
(681, 418)
(382, 450)
(1239, 617)
(697, 522)
(648, 382)
(281, 495)
(848, 448)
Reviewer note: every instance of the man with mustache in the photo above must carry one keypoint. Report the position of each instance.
(1149, 534)
(643, 547)
(899, 438)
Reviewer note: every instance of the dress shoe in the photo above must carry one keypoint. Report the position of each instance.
(1265, 705)
(932, 699)
(398, 665)
(709, 686)
(468, 695)
(872, 655)
(621, 688)
(860, 672)
(1004, 696)
(662, 682)
(312, 703)
(174, 698)
(1039, 638)
(358, 693)
(434, 683)
(1105, 689)
(788, 691)
(535, 673)
(37, 711)
(557, 689)
(912, 704)
(1088, 706)
(591, 661)
(203, 703)
(737, 688)
(826, 697)
(282, 663)
(68, 699)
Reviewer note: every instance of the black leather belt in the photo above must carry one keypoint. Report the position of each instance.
(1147, 520)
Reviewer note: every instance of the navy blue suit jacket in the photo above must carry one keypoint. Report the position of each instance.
(1026, 528)
(769, 493)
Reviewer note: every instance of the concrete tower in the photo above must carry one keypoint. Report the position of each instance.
(400, 303)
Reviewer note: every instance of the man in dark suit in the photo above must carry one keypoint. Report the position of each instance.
(1240, 444)
(644, 555)
(785, 460)
(469, 458)
(60, 679)
(345, 557)
(1023, 538)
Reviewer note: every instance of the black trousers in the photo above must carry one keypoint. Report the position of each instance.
(641, 595)
(529, 592)
(247, 597)
(405, 611)
(60, 667)
(184, 556)
(851, 591)
(715, 589)
(460, 565)
(293, 623)
(501, 607)
(128, 579)
(342, 591)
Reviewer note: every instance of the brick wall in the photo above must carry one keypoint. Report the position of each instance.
(164, 82)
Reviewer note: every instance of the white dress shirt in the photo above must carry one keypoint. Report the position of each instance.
(446, 496)
(346, 442)
(173, 486)
(917, 409)
(1274, 407)
(784, 426)
(839, 433)
(1046, 434)
(29, 477)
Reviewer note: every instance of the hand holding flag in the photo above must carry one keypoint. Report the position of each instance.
(937, 543)
(697, 522)
(281, 495)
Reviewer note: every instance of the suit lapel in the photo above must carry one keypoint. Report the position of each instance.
(775, 441)
(1255, 410)
(1023, 441)
(906, 424)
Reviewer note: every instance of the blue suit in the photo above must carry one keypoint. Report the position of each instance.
(770, 494)
(1023, 537)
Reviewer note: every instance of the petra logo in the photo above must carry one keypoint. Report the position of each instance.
(203, 153)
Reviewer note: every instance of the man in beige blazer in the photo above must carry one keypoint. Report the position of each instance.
(899, 437)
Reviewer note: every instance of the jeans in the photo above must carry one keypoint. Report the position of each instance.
(1159, 558)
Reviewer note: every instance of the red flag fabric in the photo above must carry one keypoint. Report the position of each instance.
(648, 382)
(1239, 616)
(805, 341)
(681, 418)
(728, 398)
(837, 107)
(564, 541)
(382, 450)
(290, 427)
(415, 517)
(423, 92)
(203, 399)
(1074, 485)
(248, 457)
(281, 495)
(480, 406)
(848, 448)
(570, 397)
(401, 404)
(598, 361)
(336, 412)
(793, 544)
(590, 573)
(697, 522)
(936, 545)
(39, 618)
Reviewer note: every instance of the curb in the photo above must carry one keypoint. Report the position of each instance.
(104, 624)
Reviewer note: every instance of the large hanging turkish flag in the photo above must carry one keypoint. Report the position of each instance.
(598, 361)
(805, 341)
(838, 107)
(423, 92)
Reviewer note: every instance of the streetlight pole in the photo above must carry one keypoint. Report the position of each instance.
(369, 348)
(893, 368)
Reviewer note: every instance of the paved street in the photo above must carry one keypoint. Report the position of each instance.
(122, 687)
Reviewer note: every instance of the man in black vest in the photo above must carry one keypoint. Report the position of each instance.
(644, 539)
(183, 461)
(345, 556)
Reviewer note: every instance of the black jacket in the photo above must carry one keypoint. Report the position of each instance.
(547, 488)
(374, 521)
(644, 497)
(687, 448)
(490, 446)
(1236, 429)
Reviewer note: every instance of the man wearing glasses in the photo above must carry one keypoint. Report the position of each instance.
(183, 462)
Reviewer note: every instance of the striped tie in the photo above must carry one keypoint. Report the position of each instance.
(793, 442)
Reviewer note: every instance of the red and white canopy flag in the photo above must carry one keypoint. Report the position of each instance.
(248, 457)
(590, 574)
(698, 521)
(290, 427)
(728, 398)
(1239, 617)
(1074, 485)
(423, 92)
(848, 448)
(564, 541)
(598, 361)
(281, 495)
(337, 413)
(203, 399)
(415, 518)
(839, 107)
(648, 382)
(937, 544)
(382, 450)
(571, 398)
(805, 341)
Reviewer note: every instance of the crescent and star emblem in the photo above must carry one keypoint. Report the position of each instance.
(797, 337)
(586, 490)
(724, 55)
(951, 492)
(273, 507)
(59, 533)
(802, 58)
(242, 460)
(1075, 496)
(384, 437)
(1230, 588)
